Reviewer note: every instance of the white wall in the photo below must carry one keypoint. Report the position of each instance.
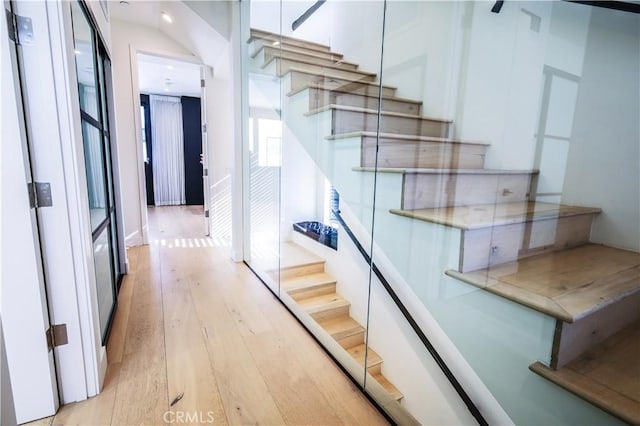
(603, 167)
(126, 36)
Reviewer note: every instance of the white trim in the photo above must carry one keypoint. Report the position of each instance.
(143, 219)
(205, 148)
(240, 242)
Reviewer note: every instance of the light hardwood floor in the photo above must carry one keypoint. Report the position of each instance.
(198, 334)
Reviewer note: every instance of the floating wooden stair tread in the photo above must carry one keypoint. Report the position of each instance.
(285, 65)
(346, 92)
(266, 35)
(358, 353)
(307, 282)
(487, 215)
(444, 171)
(324, 302)
(399, 136)
(375, 112)
(389, 387)
(288, 52)
(350, 85)
(341, 327)
(568, 284)
(607, 375)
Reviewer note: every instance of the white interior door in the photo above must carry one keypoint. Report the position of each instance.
(24, 309)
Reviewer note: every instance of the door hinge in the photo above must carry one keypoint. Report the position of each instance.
(39, 194)
(204, 128)
(57, 336)
(20, 28)
(206, 213)
(205, 172)
(201, 83)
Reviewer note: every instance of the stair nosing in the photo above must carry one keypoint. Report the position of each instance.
(404, 137)
(283, 49)
(388, 98)
(368, 83)
(432, 171)
(329, 67)
(524, 218)
(374, 111)
(253, 36)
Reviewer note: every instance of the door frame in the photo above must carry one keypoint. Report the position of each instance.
(135, 93)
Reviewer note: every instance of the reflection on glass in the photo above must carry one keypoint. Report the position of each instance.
(94, 163)
(85, 61)
(104, 277)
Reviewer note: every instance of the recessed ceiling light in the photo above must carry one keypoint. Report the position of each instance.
(124, 2)
(77, 52)
(275, 43)
(169, 67)
(166, 17)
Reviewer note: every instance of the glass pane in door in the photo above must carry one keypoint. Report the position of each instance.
(85, 61)
(104, 277)
(95, 169)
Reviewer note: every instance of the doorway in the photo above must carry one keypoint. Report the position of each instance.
(172, 132)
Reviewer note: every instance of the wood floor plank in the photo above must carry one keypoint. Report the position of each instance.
(95, 411)
(205, 329)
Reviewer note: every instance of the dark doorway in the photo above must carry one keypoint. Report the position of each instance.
(192, 129)
(147, 149)
(192, 125)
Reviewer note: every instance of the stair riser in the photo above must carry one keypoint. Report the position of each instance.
(300, 81)
(299, 271)
(329, 313)
(273, 52)
(317, 290)
(283, 66)
(355, 121)
(259, 35)
(571, 340)
(351, 341)
(319, 98)
(486, 247)
(375, 369)
(426, 191)
(422, 154)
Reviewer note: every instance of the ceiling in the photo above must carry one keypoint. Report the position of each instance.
(165, 76)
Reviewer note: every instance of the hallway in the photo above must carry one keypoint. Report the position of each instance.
(198, 339)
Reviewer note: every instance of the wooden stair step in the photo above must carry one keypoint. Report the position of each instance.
(344, 328)
(408, 151)
(346, 119)
(435, 188)
(270, 52)
(302, 80)
(295, 261)
(257, 34)
(607, 375)
(489, 215)
(320, 97)
(325, 306)
(283, 66)
(309, 285)
(256, 44)
(568, 284)
(389, 387)
(374, 361)
(493, 234)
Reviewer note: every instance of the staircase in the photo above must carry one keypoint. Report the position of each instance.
(536, 254)
(303, 277)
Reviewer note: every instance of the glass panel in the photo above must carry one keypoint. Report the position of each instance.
(95, 167)
(104, 277)
(263, 151)
(85, 61)
(485, 200)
